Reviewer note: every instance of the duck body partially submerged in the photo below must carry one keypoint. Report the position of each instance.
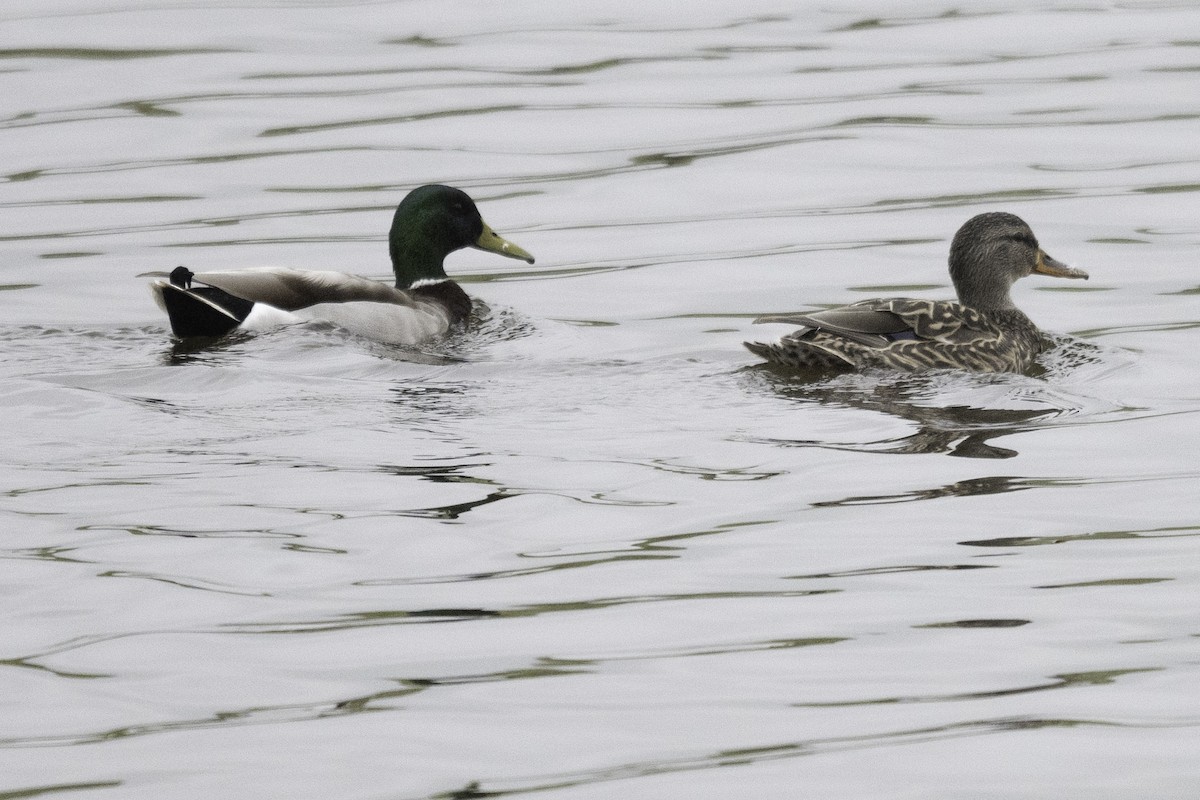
(430, 223)
(983, 331)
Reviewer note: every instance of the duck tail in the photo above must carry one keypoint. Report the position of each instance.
(790, 352)
(200, 311)
(759, 349)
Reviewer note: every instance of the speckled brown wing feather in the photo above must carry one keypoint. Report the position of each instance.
(931, 334)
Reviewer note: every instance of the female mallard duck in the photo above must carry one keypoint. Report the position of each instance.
(983, 331)
(430, 223)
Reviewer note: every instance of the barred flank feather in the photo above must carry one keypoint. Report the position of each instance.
(983, 332)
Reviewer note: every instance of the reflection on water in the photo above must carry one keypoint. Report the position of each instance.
(957, 430)
(585, 547)
(992, 484)
(1031, 541)
(761, 755)
(1065, 681)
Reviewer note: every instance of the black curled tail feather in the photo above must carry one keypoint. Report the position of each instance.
(201, 311)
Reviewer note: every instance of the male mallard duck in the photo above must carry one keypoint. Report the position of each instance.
(983, 331)
(430, 223)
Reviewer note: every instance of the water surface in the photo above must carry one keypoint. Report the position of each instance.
(588, 547)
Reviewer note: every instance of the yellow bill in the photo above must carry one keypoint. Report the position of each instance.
(495, 243)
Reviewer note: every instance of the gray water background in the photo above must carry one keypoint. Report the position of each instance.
(588, 548)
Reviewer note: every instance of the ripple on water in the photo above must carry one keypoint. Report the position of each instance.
(953, 412)
(585, 547)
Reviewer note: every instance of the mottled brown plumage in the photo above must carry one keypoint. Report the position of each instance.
(982, 332)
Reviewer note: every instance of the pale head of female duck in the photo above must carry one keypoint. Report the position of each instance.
(990, 253)
(431, 223)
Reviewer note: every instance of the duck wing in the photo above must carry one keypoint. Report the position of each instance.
(294, 289)
(900, 333)
(872, 323)
(942, 321)
(878, 323)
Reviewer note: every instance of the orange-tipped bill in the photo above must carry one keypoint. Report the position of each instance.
(1048, 265)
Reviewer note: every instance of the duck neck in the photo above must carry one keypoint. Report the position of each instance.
(998, 306)
(995, 298)
(981, 295)
(415, 258)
